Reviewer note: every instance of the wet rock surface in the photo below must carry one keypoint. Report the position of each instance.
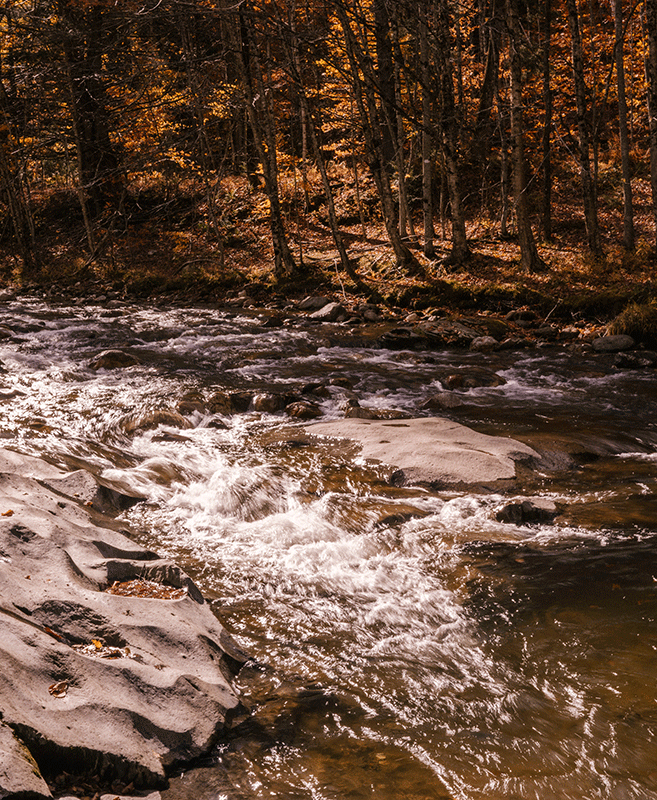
(432, 450)
(122, 685)
(528, 511)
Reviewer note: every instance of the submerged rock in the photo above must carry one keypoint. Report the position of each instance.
(113, 359)
(230, 402)
(120, 686)
(527, 512)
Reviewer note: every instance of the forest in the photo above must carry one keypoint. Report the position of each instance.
(365, 143)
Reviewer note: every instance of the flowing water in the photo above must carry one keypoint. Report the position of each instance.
(405, 643)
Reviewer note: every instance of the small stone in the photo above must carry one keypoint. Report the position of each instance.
(483, 344)
(273, 321)
(371, 313)
(548, 332)
(268, 402)
(442, 400)
(344, 383)
(521, 315)
(514, 343)
(316, 389)
(190, 406)
(152, 419)
(227, 402)
(639, 360)
(303, 410)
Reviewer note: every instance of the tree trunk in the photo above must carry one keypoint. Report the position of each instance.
(450, 137)
(546, 205)
(15, 192)
(588, 187)
(265, 143)
(529, 258)
(651, 75)
(385, 79)
(628, 212)
(503, 121)
(427, 143)
(100, 176)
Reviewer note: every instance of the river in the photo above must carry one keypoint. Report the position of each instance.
(404, 643)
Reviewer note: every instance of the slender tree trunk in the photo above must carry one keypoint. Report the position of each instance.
(427, 143)
(450, 137)
(546, 206)
(385, 79)
(484, 126)
(628, 212)
(100, 176)
(207, 159)
(651, 75)
(265, 143)
(588, 186)
(405, 217)
(503, 122)
(79, 150)
(15, 192)
(529, 258)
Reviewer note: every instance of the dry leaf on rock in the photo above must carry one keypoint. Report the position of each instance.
(58, 689)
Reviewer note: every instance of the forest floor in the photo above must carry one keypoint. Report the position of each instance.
(164, 247)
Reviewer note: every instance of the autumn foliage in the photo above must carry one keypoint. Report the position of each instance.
(179, 132)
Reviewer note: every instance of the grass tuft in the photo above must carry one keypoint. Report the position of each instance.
(638, 320)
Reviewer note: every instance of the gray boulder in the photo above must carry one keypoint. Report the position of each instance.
(332, 312)
(313, 303)
(613, 344)
(483, 344)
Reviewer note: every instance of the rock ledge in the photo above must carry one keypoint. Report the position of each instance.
(120, 687)
(433, 450)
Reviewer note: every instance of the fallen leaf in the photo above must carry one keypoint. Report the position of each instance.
(58, 689)
(97, 644)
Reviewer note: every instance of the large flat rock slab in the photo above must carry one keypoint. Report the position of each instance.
(432, 450)
(120, 686)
